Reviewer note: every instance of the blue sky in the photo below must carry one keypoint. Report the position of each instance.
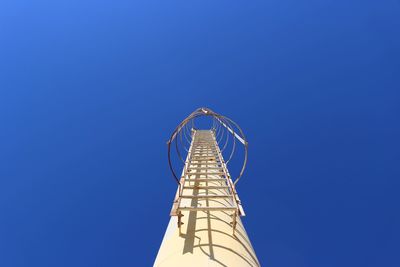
(91, 90)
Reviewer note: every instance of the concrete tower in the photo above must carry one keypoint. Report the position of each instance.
(205, 228)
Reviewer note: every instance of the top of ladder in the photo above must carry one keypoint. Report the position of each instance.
(224, 129)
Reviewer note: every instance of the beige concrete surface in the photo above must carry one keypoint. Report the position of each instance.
(206, 238)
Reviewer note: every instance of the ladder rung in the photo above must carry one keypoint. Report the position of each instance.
(206, 180)
(206, 173)
(204, 155)
(205, 168)
(206, 160)
(207, 208)
(206, 165)
(209, 196)
(205, 187)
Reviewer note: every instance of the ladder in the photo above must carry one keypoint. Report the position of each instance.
(205, 179)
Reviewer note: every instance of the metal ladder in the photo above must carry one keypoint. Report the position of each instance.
(205, 177)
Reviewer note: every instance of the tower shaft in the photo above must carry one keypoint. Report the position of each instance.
(205, 228)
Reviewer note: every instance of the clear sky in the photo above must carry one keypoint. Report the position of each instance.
(91, 90)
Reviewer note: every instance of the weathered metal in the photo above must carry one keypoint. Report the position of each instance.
(205, 228)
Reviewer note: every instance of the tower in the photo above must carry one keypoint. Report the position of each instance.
(205, 228)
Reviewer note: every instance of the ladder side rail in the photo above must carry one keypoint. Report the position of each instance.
(237, 201)
(187, 165)
(178, 195)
